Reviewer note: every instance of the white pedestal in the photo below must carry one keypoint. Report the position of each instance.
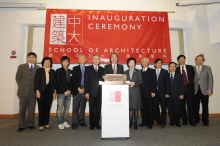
(115, 111)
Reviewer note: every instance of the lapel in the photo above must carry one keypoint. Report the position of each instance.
(27, 68)
(178, 69)
(128, 76)
(93, 70)
(160, 74)
(111, 69)
(201, 71)
(35, 68)
(187, 70)
(79, 71)
(134, 73)
(117, 69)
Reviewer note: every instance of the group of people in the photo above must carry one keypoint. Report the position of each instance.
(179, 90)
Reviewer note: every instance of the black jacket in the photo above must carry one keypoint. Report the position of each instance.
(40, 80)
(92, 79)
(148, 85)
(109, 70)
(62, 83)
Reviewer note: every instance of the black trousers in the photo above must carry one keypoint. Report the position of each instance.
(173, 105)
(205, 108)
(44, 105)
(188, 98)
(147, 112)
(95, 110)
(160, 102)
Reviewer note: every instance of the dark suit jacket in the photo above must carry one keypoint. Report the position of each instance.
(61, 80)
(177, 88)
(92, 79)
(109, 70)
(162, 83)
(190, 75)
(148, 85)
(25, 79)
(76, 79)
(40, 80)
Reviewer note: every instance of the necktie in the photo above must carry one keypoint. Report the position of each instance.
(96, 69)
(114, 70)
(31, 69)
(158, 73)
(171, 79)
(82, 78)
(185, 80)
(198, 70)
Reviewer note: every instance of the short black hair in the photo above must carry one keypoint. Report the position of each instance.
(201, 55)
(47, 58)
(114, 53)
(180, 56)
(157, 60)
(32, 53)
(130, 59)
(64, 58)
(172, 63)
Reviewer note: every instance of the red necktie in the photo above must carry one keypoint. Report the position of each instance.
(114, 70)
(185, 80)
(96, 69)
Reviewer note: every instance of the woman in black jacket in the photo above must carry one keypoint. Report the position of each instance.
(45, 85)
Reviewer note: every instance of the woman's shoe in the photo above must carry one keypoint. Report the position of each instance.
(47, 127)
(41, 128)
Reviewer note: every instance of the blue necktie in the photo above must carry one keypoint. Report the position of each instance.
(31, 69)
(171, 79)
(82, 79)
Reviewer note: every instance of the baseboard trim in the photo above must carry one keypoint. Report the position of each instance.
(9, 116)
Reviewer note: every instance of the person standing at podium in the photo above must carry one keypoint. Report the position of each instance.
(114, 67)
(135, 77)
(93, 91)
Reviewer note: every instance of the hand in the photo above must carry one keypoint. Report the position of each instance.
(132, 84)
(181, 97)
(87, 95)
(67, 92)
(54, 96)
(152, 95)
(167, 96)
(209, 92)
(80, 91)
(38, 94)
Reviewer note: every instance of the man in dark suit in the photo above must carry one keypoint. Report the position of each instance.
(203, 83)
(93, 92)
(176, 93)
(64, 86)
(188, 74)
(25, 79)
(79, 99)
(162, 91)
(148, 90)
(114, 67)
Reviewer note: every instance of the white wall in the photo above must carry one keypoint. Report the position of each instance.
(195, 21)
